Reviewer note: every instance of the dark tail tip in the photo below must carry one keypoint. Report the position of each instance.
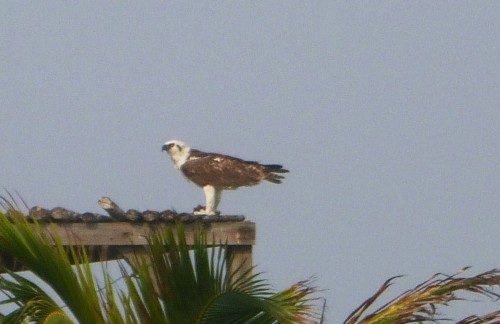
(275, 168)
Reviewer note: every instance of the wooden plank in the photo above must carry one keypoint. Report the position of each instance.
(125, 233)
(116, 240)
(241, 259)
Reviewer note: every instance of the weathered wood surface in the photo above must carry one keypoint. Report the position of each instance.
(117, 214)
(123, 240)
(127, 233)
(123, 234)
(241, 259)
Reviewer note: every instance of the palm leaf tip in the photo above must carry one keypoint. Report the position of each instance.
(11, 205)
(492, 318)
(301, 300)
(420, 303)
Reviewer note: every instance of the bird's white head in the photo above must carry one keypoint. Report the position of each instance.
(178, 152)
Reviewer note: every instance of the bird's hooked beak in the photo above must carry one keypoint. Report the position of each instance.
(167, 147)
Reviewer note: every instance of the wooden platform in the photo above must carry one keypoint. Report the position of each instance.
(121, 240)
(135, 234)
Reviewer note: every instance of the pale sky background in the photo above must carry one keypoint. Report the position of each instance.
(387, 114)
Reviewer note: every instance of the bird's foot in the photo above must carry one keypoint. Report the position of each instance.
(201, 210)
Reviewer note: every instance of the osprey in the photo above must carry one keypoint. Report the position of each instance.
(216, 172)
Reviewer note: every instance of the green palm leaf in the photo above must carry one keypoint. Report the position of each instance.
(196, 288)
(33, 301)
(46, 257)
(58, 317)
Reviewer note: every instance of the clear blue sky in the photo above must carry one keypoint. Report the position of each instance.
(387, 114)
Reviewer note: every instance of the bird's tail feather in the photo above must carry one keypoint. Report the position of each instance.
(275, 168)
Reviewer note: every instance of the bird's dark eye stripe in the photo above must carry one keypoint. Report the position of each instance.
(179, 147)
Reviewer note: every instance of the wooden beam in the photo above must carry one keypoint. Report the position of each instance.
(241, 259)
(115, 240)
(126, 233)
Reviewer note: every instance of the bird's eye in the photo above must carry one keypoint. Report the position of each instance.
(167, 147)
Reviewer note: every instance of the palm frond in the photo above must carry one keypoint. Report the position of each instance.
(110, 305)
(197, 288)
(292, 305)
(11, 204)
(59, 317)
(31, 245)
(33, 302)
(420, 304)
(488, 318)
